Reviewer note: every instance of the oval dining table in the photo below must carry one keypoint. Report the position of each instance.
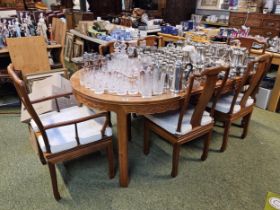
(123, 106)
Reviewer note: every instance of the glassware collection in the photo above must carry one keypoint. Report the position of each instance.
(149, 71)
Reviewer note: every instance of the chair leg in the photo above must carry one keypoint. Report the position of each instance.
(146, 148)
(245, 124)
(110, 157)
(225, 137)
(54, 181)
(41, 156)
(207, 140)
(175, 160)
(109, 116)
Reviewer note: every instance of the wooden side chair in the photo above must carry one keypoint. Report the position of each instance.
(248, 43)
(187, 124)
(152, 41)
(66, 134)
(239, 104)
(109, 47)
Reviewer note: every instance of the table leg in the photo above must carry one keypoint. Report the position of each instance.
(275, 94)
(122, 123)
(129, 126)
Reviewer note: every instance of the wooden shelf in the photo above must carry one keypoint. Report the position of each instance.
(215, 23)
(88, 38)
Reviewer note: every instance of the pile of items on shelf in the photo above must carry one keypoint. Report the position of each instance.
(27, 23)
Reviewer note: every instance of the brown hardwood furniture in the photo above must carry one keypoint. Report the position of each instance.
(102, 8)
(179, 10)
(109, 47)
(274, 102)
(239, 105)
(66, 134)
(152, 41)
(267, 25)
(187, 123)
(59, 28)
(34, 50)
(248, 43)
(123, 106)
(31, 49)
(170, 38)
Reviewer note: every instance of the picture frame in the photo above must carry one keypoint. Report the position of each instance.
(208, 4)
(68, 51)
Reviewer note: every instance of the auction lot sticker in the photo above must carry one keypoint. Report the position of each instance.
(272, 201)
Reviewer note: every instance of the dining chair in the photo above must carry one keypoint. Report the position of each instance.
(240, 102)
(151, 41)
(104, 48)
(249, 43)
(65, 134)
(188, 123)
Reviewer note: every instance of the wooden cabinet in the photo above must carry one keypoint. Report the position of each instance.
(261, 24)
(179, 10)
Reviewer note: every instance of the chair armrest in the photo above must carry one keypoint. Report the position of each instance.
(76, 121)
(51, 97)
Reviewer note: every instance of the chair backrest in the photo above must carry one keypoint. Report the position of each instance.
(23, 95)
(249, 43)
(29, 54)
(209, 88)
(152, 41)
(262, 64)
(252, 78)
(109, 47)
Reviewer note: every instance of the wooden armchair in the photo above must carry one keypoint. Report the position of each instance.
(109, 47)
(66, 134)
(187, 124)
(249, 43)
(240, 104)
(152, 41)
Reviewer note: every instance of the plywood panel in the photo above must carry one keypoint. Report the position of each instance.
(29, 54)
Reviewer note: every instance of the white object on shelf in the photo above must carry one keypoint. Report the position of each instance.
(262, 98)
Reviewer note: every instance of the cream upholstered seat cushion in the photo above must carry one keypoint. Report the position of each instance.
(169, 121)
(63, 138)
(224, 103)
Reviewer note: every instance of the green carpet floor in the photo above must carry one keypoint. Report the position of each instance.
(237, 179)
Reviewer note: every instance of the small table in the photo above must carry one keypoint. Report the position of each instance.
(123, 106)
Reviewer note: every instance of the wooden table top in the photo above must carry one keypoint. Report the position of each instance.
(121, 100)
(133, 100)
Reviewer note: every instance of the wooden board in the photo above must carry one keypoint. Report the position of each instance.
(59, 32)
(29, 54)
